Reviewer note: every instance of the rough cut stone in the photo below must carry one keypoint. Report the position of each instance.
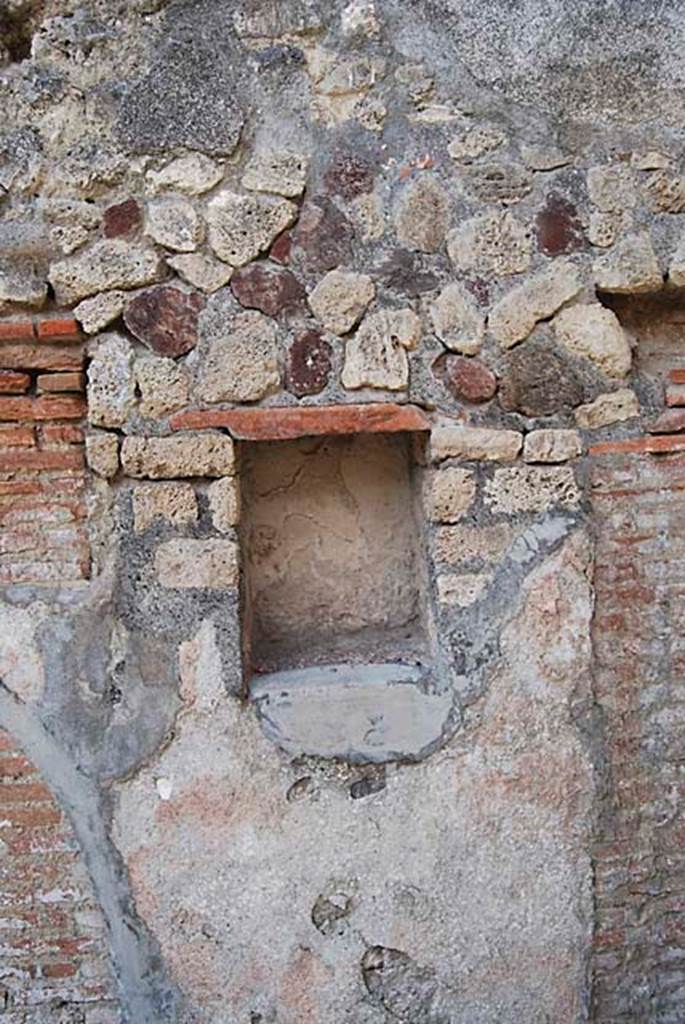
(163, 386)
(224, 503)
(531, 489)
(340, 299)
(111, 387)
(450, 494)
(241, 364)
(349, 175)
(474, 143)
(467, 379)
(203, 564)
(272, 290)
(676, 270)
(308, 365)
(551, 445)
(105, 266)
(171, 503)
(102, 453)
(544, 157)
(122, 220)
(614, 407)
(558, 227)
(422, 215)
(201, 270)
(174, 223)
(514, 316)
(538, 380)
(595, 333)
(665, 192)
(96, 313)
(457, 321)
(376, 356)
(491, 243)
(165, 319)
(462, 589)
(631, 267)
(603, 229)
(192, 174)
(240, 227)
(452, 441)
(456, 544)
(322, 238)
(183, 455)
(499, 181)
(21, 282)
(611, 188)
(280, 172)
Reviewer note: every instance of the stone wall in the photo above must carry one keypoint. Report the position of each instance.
(349, 330)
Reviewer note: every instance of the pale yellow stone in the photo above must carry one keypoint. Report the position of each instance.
(481, 443)
(631, 267)
(281, 172)
(242, 226)
(340, 299)
(422, 215)
(614, 407)
(224, 503)
(182, 455)
(163, 386)
(457, 320)
(474, 143)
(676, 270)
(172, 503)
(455, 544)
(551, 445)
(189, 564)
(595, 332)
(519, 489)
(611, 188)
(376, 356)
(491, 243)
(450, 494)
(462, 589)
(515, 315)
(102, 453)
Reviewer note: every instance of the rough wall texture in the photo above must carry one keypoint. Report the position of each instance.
(231, 229)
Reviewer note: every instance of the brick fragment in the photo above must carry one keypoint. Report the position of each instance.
(13, 382)
(637, 445)
(60, 330)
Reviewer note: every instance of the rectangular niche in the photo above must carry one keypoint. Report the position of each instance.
(332, 553)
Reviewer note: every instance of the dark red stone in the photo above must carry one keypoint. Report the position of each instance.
(322, 238)
(309, 364)
(469, 380)
(402, 272)
(558, 227)
(122, 220)
(280, 250)
(348, 175)
(165, 319)
(479, 289)
(273, 290)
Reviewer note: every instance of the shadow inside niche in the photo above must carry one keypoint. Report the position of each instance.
(17, 27)
(655, 323)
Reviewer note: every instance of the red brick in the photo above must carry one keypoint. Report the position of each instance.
(676, 376)
(40, 357)
(17, 437)
(675, 395)
(15, 767)
(283, 423)
(636, 445)
(63, 329)
(23, 792)
(64, 433)
(16, 330)
(37, 816)
(42, 408)
(12, 459)
(14, 383)
(61, 382)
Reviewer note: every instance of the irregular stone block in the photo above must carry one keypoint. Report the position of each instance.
(23, 283)
(376, 356)
(105, 266)
(280, 172)
(165, 319)
(102, 453)
(98, 312)
(201, 270)
(614, 407)
(175, 223)
(539, 380)
(122, 220)
(595, 333)
(309, 363)
(455, 544)
(111, 387)
(240, 227)
(491, 243)
(272, 290)
(665, 192)
(451, 441)
(163, 386)
(558, 227)
(551, 445)
(519, 489)
(171, 503)
(676, 270)
(224, 503)
(474, 143)
(241, 364)
(322, 238)
(340, 299)
(197, 564)
(499, 182)
(457, 321)
(422, 215)
(192, 174)
(611, 188)
(469, 380)
(514, 316)
(183, 455)
(631, 267)
(450, 494)
(462, 589)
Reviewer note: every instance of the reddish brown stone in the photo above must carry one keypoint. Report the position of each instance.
(273, 290)
(322, 238)
(469, 380)
(280, 250)
(479, 289)
(308, 421)
(348, 175)
(122, 220)
(309, 364)
(558, 227)
(165, 319)
(676, 376)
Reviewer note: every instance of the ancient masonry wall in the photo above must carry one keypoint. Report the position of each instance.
(451, 278)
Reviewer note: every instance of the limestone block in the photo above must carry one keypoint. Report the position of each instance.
(224, 503)
(457, 321)
(614, 407)
(603, 229)
(376, 356)
(519, 489)
(462, 589)
(171, 503)
(241, 364)
(455, 544)
(278, 171)
(102, 453)
(500, 181)
(551, 445)
(474, 143)
(111, 388)
(192, 174)
(452, 441)
(189, 564)
(105, 266)
(422, 215)
(340, 299)
(163, 386)
(544, 157)
(611, 188)
(174, 223)
(491, 243)
(595, 333)
(21, 282)
(514, 316)
(676, 270)
(240, 227)
(182, 455)
(201, 270)
(450, 494)
(98, 312)
(631, 267)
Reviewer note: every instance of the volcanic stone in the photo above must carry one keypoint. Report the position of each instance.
(273, 290)
(165, 319)
(309, 364)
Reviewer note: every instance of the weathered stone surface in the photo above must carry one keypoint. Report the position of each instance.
(538, 380)
(450, 494)
(457, 320)
(462, 589)
(240, 227)
(551, 445)
(469, 380)
(308, 364)
(163, 386)
(23, 283)
(241, 364)
(614, 407)
(102, 453)
(183, 455)
(631, 267)
(322, 238)
(122, 220)
(349, 175)
(192, 174)
(514, 316)
(452, 441)
(224, 503)
(280, 172)
(72, 222)
(558, 227)
(402, 272)
(98, 312)
(665, 192)
(273, 290)
(611, 188)
(491, 243)
(22, 666)
(422, 215)
(676, 270)
(603, 229)
(474, 143)
(201, 270)
(191, 564)
(499, 182)
(165, 319)
(456, 544)
(174, 223)
(170, 503)
(542, 157)
(595, 333)
(520, 489)
(376, 356)
(340, 299)
(107, 265)
(111, 387)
